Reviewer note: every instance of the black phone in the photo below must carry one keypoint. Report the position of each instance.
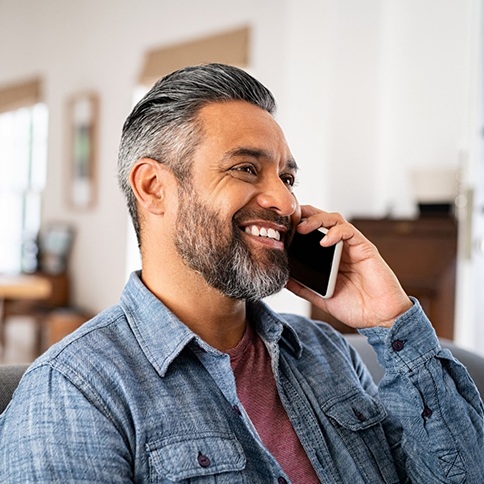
(312, 265)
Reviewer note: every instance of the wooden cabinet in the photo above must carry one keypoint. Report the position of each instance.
(422, 253)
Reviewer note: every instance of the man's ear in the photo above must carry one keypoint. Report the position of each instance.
(148, 179)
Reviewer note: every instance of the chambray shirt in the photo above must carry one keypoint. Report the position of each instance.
(135, 396)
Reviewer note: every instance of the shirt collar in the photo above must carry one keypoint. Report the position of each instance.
(162, 336)
(273, 327)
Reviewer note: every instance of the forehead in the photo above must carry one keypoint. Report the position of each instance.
(232, 125)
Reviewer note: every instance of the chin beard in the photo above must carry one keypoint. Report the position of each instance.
(239, 275)
(223, 259)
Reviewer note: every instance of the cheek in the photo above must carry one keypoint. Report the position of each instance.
(171, 214)
(228, 202)
(172, 196)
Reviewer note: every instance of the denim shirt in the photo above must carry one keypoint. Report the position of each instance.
(136, 396)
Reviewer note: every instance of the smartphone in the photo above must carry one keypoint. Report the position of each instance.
(312, 265)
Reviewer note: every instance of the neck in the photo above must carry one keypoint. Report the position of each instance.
(220, 321)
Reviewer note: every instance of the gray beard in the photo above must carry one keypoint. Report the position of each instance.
(223, 259)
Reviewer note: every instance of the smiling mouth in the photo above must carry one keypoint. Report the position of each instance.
(258, 231)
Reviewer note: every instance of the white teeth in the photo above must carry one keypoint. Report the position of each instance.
(263, 232)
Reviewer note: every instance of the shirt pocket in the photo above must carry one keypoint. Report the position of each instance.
(357, 418)
(198, 457)
(355, 411)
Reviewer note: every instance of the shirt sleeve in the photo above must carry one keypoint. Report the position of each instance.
(53, 432)
(435, 422)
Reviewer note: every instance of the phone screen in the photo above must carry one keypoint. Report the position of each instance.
(314, 266)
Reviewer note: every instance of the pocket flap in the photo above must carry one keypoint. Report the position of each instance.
(192, 455)
(355, 411)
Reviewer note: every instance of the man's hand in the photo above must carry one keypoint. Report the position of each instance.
(367, 292)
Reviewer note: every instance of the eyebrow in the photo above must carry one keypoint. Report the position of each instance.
(258, 153)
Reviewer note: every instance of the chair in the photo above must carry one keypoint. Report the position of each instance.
(10, 376)
(472, 361)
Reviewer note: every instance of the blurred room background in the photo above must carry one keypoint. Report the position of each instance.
(381, 102)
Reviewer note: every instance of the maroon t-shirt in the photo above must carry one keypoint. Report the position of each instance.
(256, 388)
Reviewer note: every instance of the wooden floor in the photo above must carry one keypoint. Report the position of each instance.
(19, 336)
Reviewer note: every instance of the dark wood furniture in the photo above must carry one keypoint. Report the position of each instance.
(422, 252)
(32, 295)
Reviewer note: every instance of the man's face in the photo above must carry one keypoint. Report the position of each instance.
(236, 216)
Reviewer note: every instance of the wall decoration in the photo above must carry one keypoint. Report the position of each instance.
(55, 246)
(83, 112)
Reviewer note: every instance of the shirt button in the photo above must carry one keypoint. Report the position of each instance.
(398, 345)
(359, 415)
(427, 412)
(281, 480)
(203, 460)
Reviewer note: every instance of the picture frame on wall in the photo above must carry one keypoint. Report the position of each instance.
(83, 114)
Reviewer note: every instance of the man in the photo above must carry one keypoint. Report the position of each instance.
(191, 378)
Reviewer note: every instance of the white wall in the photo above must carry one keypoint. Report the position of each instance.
(366, 91)
(90, 45)
(375, 90)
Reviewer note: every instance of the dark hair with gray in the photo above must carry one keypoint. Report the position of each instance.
(163, 125)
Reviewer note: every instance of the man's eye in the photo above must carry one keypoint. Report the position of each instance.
(289, 180)
(246, 169)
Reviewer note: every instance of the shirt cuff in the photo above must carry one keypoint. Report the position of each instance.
(408, 344)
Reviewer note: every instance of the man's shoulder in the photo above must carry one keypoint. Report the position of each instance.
(313, 329)
(106, 333)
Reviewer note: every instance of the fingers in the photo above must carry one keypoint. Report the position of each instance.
(338, 227)
(313, 218)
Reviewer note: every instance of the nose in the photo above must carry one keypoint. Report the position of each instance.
(277, 196)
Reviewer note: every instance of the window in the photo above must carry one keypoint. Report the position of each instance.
(23, 162)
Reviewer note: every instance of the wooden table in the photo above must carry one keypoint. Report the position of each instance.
(31, 291)
(24, 286)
